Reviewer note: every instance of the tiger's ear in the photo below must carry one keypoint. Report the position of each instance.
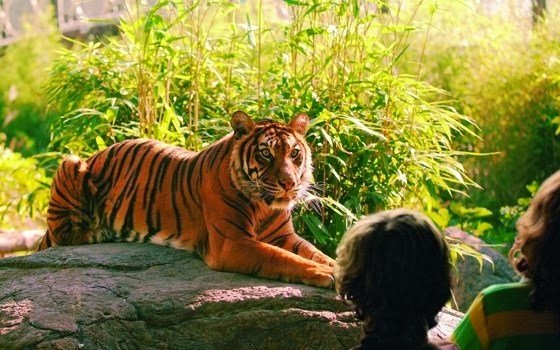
(241, 123)
(300, 123)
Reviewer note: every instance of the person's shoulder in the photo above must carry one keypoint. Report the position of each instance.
(506, 297)
(507, 288)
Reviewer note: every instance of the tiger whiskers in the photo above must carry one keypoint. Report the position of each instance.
(309, 197)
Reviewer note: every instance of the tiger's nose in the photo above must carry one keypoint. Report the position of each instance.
(286, 184)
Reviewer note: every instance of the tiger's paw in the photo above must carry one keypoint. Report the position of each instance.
(323, 260)
(320, 276)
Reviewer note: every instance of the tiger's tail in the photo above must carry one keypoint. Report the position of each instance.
(70, 212)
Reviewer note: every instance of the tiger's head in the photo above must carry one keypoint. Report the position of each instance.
(271, 161)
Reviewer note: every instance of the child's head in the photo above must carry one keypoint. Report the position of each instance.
(536, 251)
(394, 267)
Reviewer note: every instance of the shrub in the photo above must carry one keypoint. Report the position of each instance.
(23, 191)
(179, 70)
(505, 74)
(24, 69)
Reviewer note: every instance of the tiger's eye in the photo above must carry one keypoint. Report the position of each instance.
(295, 153)
(265, 153)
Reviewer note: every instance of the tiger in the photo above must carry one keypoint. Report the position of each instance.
(230, 203)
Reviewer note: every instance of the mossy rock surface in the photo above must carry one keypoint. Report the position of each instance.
(134, 296)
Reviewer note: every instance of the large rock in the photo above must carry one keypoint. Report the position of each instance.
(473, 275)
(133, 296)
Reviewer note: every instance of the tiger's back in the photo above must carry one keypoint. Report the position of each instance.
(131, 192)
(230, 202)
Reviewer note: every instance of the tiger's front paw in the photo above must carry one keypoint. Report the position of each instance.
(320, 276)
(323, 259)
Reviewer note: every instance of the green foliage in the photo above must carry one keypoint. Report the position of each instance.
(473, 220)
(506, 231)
(505, 73)
(23, 70)
(24, 190)
(180, 69)
(480, 221)
(470, 220)
(157, 80)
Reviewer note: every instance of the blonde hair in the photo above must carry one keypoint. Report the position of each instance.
(536, 250)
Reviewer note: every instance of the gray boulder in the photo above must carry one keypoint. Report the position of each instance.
(134, 296)
(472, 277)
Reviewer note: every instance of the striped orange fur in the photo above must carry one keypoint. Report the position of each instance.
(231, 202)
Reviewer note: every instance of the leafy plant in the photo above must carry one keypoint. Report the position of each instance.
(381, 138)
(480, 221)
(23, 67)
(470, 220)
(503, 71)
(504, 235)
(24, 190)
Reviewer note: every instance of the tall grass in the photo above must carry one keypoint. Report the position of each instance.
(24, 117)
(180, 68)
(22, 191)
(504, 72)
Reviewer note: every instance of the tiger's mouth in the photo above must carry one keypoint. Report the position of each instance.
(271, 194)
(288, 195)
(280, 198)
(282, 202)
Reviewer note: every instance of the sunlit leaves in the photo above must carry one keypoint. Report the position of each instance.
(24, 189)
(380, 138)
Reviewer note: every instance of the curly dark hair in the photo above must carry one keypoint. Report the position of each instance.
(536, 251)
(394, 268)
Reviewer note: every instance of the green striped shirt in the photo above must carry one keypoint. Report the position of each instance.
(501, 318)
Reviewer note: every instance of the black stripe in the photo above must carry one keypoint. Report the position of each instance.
(218, 231)
(109, 158)
(151, 204)
(257, 267)
(64, 198)
(93, 159)
(178, 221)
(57, 216)
(136, 237)
(53, 205)
(238, 208)
(129, 219)
(202, 246)
(214, 154)
(295, 248)
(48, 239)
(133, 148)
(116, 206)
(151, 190)
(162, 171)
(201, 159)
(132, 181)
(280, 240)
(125, 191)
(181, 180)
(276, 230)
(151, 174)
(60, 231)
(226, 151)
(264, 223)
(189, 179)
(240, 228)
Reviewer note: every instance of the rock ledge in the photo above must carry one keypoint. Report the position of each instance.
(133, 296)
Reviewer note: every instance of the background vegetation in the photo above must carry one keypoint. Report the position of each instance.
(503, 69)
(396, 90)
